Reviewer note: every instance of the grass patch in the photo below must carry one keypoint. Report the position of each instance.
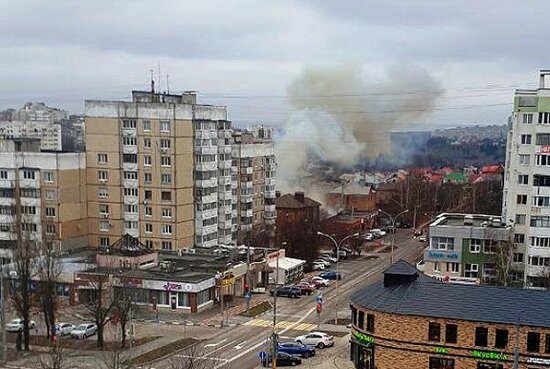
(163, 351)
(257, 310)
(86, 344)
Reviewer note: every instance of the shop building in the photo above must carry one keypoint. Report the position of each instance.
(409, 320)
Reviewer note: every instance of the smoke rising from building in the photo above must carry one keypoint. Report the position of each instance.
(341, 116)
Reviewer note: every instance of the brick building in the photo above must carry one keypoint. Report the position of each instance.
(296, 213)
(409, 320)
(352, 197)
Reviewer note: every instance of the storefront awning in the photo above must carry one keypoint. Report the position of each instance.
(286, 263)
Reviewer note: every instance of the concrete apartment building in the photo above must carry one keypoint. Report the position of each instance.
(462, 248)
(255, 166)
(47, 190)
(49, 134)
(526, 200)
(153, 166)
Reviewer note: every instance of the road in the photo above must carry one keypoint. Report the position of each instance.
(237, 347)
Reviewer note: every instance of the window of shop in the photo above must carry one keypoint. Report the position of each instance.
(203, 296)
(183, 299)
(481, 336)
(142, 296)
(533, 341)
(163, 298)
(362, 356)
(441, 363)
(501, 338)
(361, 320)
(434, 332)
(353, 316)
(370, 323)
(62, 289)
(481, 365)
(451, 331)
(547, 344)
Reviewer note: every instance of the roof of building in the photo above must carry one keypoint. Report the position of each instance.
(352, 189)
(417, 294)
(289, 201)
(456, 177)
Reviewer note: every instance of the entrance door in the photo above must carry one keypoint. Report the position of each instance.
(174, 300)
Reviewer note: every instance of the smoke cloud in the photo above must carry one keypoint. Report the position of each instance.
(340, 116)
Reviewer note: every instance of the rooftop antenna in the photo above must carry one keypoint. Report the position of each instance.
(152, 81)
(168, 84)
(160, 78)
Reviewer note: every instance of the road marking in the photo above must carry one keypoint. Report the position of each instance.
(215, 344)
(204, 358)
(219, 348)
(240, 345)
(282, 324)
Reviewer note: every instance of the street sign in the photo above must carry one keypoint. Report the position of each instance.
(262, 355)
(319, 300)
(248, 296)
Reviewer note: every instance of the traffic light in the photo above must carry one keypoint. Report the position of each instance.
(319, 305)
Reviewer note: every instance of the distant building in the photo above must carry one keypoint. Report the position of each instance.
(49, 134)
(352, 197)
(297, 213)
(40, 113)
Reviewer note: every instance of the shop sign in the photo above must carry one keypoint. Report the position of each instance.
(538, 360)
(363, 338)
(488, 355)
(177, 286)
(227, 280)
(129, 282)
(442, 255)
(441, 350)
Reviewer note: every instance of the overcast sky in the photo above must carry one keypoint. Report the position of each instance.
(245, 53)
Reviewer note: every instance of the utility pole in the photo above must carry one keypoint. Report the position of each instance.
(247, 279)
(393, 220)
(274, 336)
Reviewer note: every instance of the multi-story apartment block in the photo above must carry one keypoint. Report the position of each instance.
(526, 201)
(153, 170)
(255, 166)
(49, 134)
(44, 193)
(463, 248)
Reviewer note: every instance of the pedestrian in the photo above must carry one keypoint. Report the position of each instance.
(19, 342)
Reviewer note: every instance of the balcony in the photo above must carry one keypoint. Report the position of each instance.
(210, 243)
(207, 199)
(225, 164)
(270, 208)
(131, 183)
(269, 221)
(247, 198)
(246, 227)
(225, 134)
(224, 209)
(131, 216)
(201, 167)
(132, 232)
(225, 225)
(204, 230)
(206, 150)
(29, 183)
(129, 149)
(234, 170)
(224, 149)
(213, 182)
(4, 218)
(247, 213)
(131, 200)
(131, 167)
(247, 170)
(129, 132)
(205, 134)
(269, 181)
(206, 214)
(225, 195)
(225, 180)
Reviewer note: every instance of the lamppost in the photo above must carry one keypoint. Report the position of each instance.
(337, 245)
(393, 220)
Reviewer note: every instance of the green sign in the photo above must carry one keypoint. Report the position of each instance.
(363, 338)
(441, 350)
(488, 355)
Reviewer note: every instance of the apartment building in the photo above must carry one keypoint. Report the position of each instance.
(153, 166)
(526, 200)
(254, 169)
(49, 134)
(46, 191)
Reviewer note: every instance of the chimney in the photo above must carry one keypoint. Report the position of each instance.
(299, 196)
(277, 194)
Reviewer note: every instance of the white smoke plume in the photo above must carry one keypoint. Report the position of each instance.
(340, 116)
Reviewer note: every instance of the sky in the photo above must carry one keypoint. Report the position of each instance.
(245, 54)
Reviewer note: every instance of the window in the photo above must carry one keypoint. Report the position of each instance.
(533, 341)
(148, 228)
(50, 212)
(203, 297)
(183, 299)
(147, 177)
(104, 226)
(542, 160)
(146, 125)
(547, 344)
(102, 158)
(524, 159)
(451, 332)
(165, 161)
(443, 243)
(166, 229)
(130, 191)
(166, 245)
(129, 141)
(149, 245)
(130, 225)
(166, 212)
(370, 323)
(130, 158)
(539, 261)
(441, 363)
(131, 208)
(102, 175)
(540, 221)
(28, 210)
(541, 201)
(540, 241)
(519, 238)
(544, 118)
(490, 247)
(540, 180)
(353, 315)
(148, 211)
(103, 209)
(501, 338)
(527, 118)
(165, 126)
(521, 199)
(166, 196)
(164, 143)
(453, 267)
(437, 268)
(165, 178)
(526, 139)
(147, 160)
(102, 192)
(49, 177)
(434, 331)
(361, 319)
(517, 257)
(471, 270)
(147, 143)
(3, 174)
(148, 194)
(481, 336)
(520, 219)
(130, 175)
(28, 174)
(475, 245)
(523, 179)
(49, 194)
(128, 123)
(50, 229)
(104, 241)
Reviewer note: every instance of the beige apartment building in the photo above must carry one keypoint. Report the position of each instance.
(254, 158)
(46, 191)
(153, 170)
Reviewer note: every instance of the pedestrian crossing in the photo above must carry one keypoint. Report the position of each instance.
(282, 325)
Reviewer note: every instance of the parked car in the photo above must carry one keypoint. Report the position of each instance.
(283, 359)
(342, 255)
(327, 257)
(16, 325)
(331, 275)
(305, 288)
(378, 233)
(287, 291)
(315, 283)
(295, 348)
(368, 237)
(423, 238)
(84, 330)
(317, 339)
(418, 232)
(63, 329)
(322, 281)
(325, 262)
(317, 266)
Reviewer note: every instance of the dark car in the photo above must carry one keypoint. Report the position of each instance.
(284, 359)
(295, 348)
(331, 275)
(305, 288)
(287, 291)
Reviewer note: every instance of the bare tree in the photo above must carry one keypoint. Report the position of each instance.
(503, 261)
(191, 358)
(116, 357)
(49, 270)
(54, 358)
(124, 301)
(356, 245)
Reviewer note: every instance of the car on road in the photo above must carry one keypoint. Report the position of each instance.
(317, 339)
(84, 330)
(317, 266)
(16, 325)
(331, 275)
(295, 348)
(423, 238)
(378, 233)
(283, 359)
(305, 288)
(322, 281)
(63, 329)
(368, 237)
(329, 258)
(286, 291)
(325, 262)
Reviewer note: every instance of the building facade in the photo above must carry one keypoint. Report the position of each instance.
(409, 320)
(49, 134)
(45, 193)
(526, 200)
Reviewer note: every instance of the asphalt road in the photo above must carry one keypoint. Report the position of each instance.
(237, 347)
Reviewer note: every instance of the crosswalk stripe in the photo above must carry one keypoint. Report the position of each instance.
(281, 324)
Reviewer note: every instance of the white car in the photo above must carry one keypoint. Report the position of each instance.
(84, 330)
(317, 266)
(325, 262)
(368, 237)
(324, 282)
(63, 329)
(317, 339)
(327, 257)
(16, 325)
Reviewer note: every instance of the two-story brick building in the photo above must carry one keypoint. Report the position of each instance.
(409, 320)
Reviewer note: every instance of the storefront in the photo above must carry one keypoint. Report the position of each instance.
(290, 270)
(362, 350)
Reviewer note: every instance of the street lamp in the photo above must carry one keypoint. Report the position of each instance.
(337, 244)
(393, 220)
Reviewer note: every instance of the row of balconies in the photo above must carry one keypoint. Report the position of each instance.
(201, 230)
(209, 166)
(206, 150)
(205, 134)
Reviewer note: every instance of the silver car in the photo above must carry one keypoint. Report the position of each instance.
(84, 330)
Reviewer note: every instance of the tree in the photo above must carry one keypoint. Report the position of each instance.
(102, 305)
(191, 358)
(356, 244)
(503, 261)
(124, 301)
(53, 358)
(116, 357)
(49, 270)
